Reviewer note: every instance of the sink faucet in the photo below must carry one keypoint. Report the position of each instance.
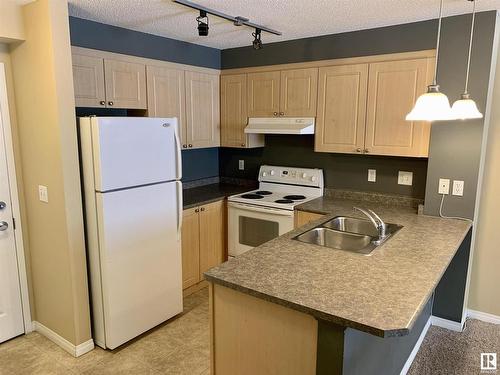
(376, 221)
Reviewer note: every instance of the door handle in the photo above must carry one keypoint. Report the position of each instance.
(3, 226)
(179, 208)
(2, 205)
(178, 155)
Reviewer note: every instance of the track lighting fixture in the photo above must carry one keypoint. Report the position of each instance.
(257, 43)
(202, 26)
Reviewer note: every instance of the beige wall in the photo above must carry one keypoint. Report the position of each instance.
(484, 294)
(43, 88)
(11, 21)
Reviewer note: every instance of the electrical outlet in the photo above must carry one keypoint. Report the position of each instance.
(444, 186)
(43, 193)
(405, 178)
(458, 188)
(241, 165)
(372, 175)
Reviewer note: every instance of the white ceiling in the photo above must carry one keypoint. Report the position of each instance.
(295, 18)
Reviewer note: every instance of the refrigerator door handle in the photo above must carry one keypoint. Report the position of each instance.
(179, 208)
(178, 154)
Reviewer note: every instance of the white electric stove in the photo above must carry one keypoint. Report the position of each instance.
(260, 215)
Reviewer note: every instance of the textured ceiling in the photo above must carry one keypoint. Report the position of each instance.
(295, 18)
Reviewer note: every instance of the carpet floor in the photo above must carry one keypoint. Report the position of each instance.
(445, 352)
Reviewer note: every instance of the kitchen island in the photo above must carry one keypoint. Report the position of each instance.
(294, 308)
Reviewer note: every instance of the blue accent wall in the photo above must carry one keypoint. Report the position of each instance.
(95, 35)
(200, 163)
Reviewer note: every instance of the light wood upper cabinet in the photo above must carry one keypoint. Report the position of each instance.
(202, 110)
(234, 115)
(167, 96)
(203, 240)
(393, 88)
(88, 78)
(190, 248)
(212, 235)
(340, 124)
(298, 92)
(125, 84)
(264, 94)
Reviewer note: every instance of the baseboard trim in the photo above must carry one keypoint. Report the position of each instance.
(445, 323)
(416, 348)
(74, 350)
(485, 317)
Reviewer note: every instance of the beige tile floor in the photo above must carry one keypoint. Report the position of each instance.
(180, 346)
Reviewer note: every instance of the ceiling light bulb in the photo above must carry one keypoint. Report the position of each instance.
(431, 106)
(466, 108)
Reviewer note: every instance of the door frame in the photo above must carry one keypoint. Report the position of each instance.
(5, 127)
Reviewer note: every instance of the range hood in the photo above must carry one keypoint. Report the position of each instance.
(280, 125)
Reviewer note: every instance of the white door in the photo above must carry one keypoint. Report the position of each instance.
(140, 253)
(11, 313)
(134, 151)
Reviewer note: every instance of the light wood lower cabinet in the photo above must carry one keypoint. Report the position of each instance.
(203, 241)
(234, 117)
(303, 217)
(202, 110)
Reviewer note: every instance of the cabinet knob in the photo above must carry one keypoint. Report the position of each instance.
(184, 146)
(242, 145)
(102, 102)
(2, 205)
(202, 209)
(358, 150)
(3, 226)
(275, 113)
(197, 210)
(282, 113)
(366, 151)
(190, 145)
(110, 103)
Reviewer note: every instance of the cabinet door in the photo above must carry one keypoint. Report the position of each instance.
(340, 124)
(263, 94)
(167, 95)
(202, 110)
(303, 218)
(393, 88)
(125, 84)
(212, 235)
(190, 248)
(233, 93)
(299, 92)
(88, 80)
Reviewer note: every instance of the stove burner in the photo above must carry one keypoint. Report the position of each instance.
(294, 197)
(284, 201)
(252, 196)
(263, 192)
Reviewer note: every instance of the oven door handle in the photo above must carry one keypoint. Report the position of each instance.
(261, 209)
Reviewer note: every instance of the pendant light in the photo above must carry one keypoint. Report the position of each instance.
(465, 108)
(433, 105)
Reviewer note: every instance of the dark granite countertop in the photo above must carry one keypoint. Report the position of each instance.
(382, 294)
(199, 195)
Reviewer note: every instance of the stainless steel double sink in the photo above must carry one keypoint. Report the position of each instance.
(349, 234)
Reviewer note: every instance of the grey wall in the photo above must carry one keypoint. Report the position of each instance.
(455, 147)
(90, 34)
(341, 171)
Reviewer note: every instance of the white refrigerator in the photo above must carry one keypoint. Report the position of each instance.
(133, 209)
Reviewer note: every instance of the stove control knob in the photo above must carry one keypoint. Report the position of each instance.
(272, 172)
(313, 178)
(304, 175)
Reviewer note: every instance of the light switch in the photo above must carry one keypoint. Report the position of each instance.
(458, 188)
(372, 175)
(405, 178)
(241, 165)
(43, 193)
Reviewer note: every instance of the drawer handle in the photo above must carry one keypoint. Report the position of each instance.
(111, 103)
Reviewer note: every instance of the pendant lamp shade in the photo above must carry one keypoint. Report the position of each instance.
(431, 106)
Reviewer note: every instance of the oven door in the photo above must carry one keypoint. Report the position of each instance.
(250, 226)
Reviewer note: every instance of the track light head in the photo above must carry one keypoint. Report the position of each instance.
(202, 25)
(257, 43)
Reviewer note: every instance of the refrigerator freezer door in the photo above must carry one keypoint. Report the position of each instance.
(134, 151)
(140, 257)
